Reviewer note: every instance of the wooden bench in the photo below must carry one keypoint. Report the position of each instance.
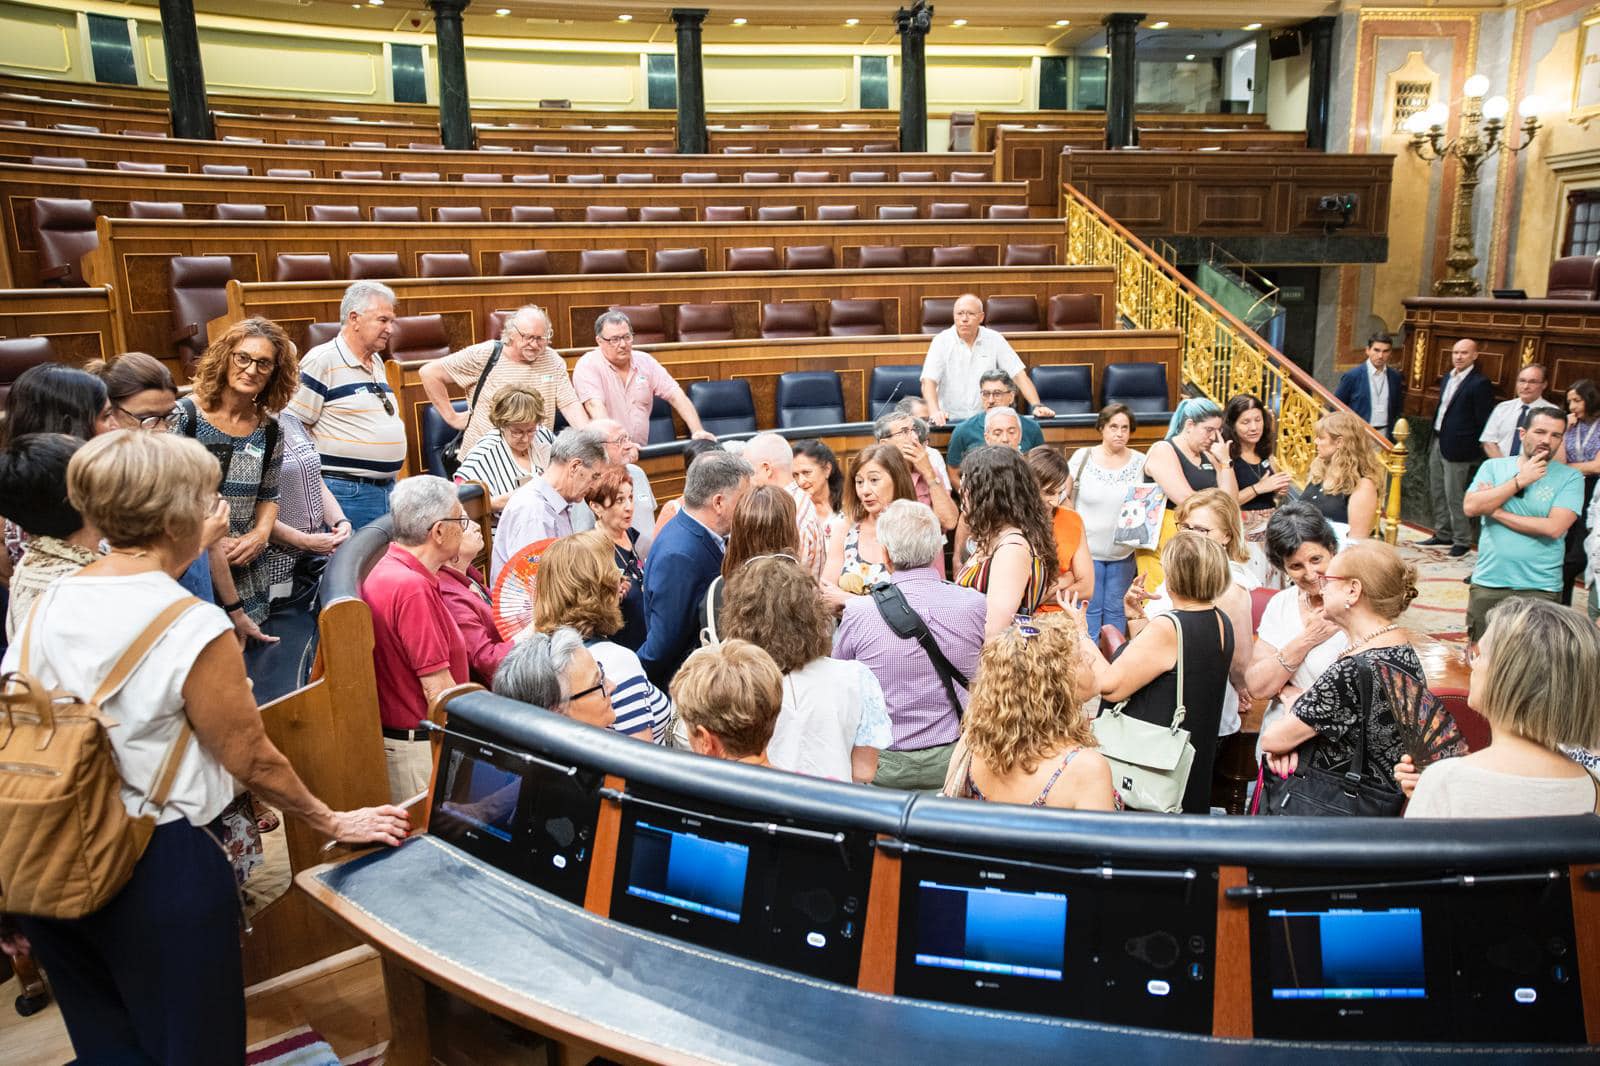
(134, 254)
(82, 324)
(988, 122)
(760, 362)
(573, 301)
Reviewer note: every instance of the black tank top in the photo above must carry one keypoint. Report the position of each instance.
(1203, 476)
(1335, 506)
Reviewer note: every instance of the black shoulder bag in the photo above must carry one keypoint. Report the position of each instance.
(906, 623)
(1311, 790)
(450, 454)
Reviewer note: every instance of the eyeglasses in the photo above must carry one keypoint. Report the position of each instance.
(904, 431)
(464, 521)
(260, 366)
(995, 394)
(377, 390)
(598, 686)
(170, 418)
(618, 339)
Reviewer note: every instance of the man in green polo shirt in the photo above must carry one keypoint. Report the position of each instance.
(1526, 503)
(995, 389)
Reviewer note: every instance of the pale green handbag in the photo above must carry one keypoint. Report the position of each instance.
(1150, 764)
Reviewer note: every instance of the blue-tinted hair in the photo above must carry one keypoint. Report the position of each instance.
(1194, 409)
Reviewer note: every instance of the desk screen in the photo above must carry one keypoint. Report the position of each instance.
(991, 930)
(1347, 954)
(482, 795)
(690, 872)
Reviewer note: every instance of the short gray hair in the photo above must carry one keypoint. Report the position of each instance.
(711, 473)
(359, 296)
(510, 324)
(993, 414)
(535, 670)
(584, 445)
(910, 534)
(880, 427)
(611, 318)
(417, 505)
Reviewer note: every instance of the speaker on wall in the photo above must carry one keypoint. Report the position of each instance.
(1284, 44)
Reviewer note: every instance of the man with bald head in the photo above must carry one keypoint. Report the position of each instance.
(958, 357)
(621, 451)
(770, 456)
(1466, 399)
(522, 356)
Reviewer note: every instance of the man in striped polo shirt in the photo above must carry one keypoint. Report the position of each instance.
(347, 406)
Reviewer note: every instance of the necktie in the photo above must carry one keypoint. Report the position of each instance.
(1522, 424)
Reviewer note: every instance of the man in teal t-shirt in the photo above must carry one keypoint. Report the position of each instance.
(1526, 503)
(995, 389)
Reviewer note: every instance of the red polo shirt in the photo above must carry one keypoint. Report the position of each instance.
(412, 634)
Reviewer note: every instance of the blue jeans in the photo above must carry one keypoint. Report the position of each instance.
(1111, 581)
(363, 504)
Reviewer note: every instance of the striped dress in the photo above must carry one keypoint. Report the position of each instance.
(975, 575)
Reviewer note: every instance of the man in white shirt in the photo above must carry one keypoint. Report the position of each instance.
(1374, 390)
(1500, 437)
(958, 357)
(770, 456)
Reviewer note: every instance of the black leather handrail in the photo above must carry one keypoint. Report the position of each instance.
(355, 557)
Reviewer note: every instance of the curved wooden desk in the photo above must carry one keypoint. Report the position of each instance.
(441, 918)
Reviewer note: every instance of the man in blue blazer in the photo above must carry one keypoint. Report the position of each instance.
(686, 558)
(1466, 397)
(1374, 390)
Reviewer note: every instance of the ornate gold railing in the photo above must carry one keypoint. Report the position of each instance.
(1222, 357)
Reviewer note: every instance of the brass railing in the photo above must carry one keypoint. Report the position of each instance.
(1222, 357)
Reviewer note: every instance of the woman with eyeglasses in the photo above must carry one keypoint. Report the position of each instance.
(580, 587)
(514, 451)
(559, 672)
(240, 384)
(1100, 479)
(1076, 575)
(1193, 456)
(834, 719)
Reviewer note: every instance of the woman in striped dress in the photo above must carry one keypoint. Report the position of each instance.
(512, 453)
(1015, 563)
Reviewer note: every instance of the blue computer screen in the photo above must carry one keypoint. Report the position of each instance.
(991, 930)
(689, 872)
(1347, 954)
(482, 795)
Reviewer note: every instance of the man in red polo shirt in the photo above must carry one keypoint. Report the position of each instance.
(417, 651)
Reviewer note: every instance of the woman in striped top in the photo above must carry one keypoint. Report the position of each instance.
(580, 586)
(1015, 564)
(514, 451)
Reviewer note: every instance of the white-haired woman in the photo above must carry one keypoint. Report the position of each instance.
(555, 671)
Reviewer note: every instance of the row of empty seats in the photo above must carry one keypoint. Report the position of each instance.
(692, 177)
(591, 213)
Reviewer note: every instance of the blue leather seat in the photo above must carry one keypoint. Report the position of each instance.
(1068, 390)
(724, 406)
(1141, 386)
(662, 428)
(891, 384)
(436, 433)
(809, 398)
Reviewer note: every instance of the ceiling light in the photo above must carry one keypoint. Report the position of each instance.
(1159, 25)
(1190, 57)
(502, 11)
(852, 22)
(959, 22)
(1063, 22)
(1252, 25)
(375, 3)
(740, 22)
(624, 18)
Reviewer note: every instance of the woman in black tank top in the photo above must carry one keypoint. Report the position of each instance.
(1194, 456)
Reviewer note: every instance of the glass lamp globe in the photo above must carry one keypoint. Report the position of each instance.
(1476, 85)
(1496, 108)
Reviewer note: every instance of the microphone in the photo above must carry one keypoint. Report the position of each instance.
(885, 407)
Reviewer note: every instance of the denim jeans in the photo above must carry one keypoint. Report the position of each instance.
(1111, 581)
(363, 504)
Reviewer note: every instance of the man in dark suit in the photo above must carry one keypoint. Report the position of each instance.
(1374, 390)
(1465, 400)
(686, 558)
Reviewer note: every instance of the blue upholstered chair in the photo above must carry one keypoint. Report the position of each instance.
(724, 406)
(809, 398)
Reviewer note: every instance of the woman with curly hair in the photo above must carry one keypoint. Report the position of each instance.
(834, 720)
(878, 477)
(1344, 478)
(241, 382)
(1015, 563)
(1026, 736)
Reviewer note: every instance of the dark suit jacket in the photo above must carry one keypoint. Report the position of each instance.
(1465, 418)
(683, 562)
(1355, 390)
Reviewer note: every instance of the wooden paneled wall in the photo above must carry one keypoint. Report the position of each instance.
(82, 324)
(134, 255)
(574, 301)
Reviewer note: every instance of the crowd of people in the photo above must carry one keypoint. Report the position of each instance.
(794, 608)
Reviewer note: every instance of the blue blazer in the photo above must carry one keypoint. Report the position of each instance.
(1355, 391)
(683, 562)
(1465, 418)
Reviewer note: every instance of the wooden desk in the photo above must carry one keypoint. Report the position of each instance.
(988, 122)
(1563, 335)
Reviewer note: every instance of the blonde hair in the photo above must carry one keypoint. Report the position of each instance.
(516, 404)
(1197, 567)
(1543, 668)
(1225, 509)
(1388, 582)
(137, 488)
(1023, 707)
(577, 586)
(734, 692)
(1353, 458)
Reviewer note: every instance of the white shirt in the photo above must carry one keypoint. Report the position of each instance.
(1281, 623)
(1501, 429)
(829, 707)
(1378, 390)
(955, 368)
(1451, 385)
(85, 624)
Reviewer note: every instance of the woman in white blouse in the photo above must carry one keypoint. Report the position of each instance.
(514, 451)
(173, 930)
(1101, 477)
